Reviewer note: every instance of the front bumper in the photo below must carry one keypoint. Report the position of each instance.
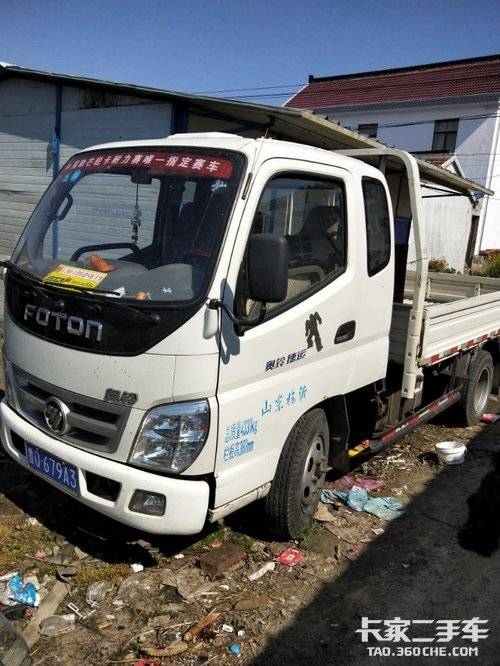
(187, 500)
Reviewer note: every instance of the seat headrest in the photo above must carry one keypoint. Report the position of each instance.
(324, 218)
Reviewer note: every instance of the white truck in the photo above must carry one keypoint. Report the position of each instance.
(198, 322)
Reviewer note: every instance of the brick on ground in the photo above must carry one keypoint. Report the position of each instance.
(219, 561)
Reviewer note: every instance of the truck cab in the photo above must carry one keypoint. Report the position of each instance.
(184, 320)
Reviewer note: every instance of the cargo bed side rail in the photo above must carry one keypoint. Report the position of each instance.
(460, 325)
(446, 287)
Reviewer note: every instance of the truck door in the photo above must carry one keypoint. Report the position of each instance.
(306, 348)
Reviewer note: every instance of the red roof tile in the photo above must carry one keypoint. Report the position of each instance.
(476, 76)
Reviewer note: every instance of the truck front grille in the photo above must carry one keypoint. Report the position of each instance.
(94, 424)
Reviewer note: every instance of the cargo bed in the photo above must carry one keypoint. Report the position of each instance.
(460, 312)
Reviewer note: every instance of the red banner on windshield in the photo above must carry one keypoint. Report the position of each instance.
(164, 162)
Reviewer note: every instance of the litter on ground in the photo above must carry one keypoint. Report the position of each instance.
(358, 499)
(369, 483)
(490, 418)
(323, 514)
(200, 604)
(24, 593)
(269, 566)
(55, 625)
(290, 557)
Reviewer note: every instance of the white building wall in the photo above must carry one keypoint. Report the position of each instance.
(26, 127)
(446, 240)
(27, 120)
(475, 145)
(129, 118)
(490, 232)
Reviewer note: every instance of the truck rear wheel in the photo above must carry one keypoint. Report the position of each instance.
(296, 487)
(477, 388)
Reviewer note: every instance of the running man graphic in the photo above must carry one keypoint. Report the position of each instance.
(312, 332)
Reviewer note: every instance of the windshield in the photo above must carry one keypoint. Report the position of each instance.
(142, 224)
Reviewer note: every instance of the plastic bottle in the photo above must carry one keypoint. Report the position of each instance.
(55, 625)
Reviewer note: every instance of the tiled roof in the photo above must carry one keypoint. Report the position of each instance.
(459, 78)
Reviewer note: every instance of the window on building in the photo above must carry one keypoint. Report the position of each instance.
(310, 213)
(368, 129)
(445, 135)
(378, 231)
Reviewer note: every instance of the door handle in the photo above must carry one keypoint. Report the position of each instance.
(345, 332)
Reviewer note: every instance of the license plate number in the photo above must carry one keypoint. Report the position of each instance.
(54, 468)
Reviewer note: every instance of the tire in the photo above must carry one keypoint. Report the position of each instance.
(476, 388)
(296, 487)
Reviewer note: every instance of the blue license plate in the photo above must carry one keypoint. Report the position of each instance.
(61, 472)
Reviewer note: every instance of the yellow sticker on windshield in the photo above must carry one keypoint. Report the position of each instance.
(72, 276)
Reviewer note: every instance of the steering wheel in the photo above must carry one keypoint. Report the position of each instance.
(103, 246)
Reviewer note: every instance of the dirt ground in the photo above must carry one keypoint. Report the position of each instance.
(439, 561)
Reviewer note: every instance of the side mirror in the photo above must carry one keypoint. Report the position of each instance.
(267, 277)
(267, 268)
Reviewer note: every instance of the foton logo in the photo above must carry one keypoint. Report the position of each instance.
(87, 328)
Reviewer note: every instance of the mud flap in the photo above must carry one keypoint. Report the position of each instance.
(339, 435)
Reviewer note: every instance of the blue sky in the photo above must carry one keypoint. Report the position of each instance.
(212, 45)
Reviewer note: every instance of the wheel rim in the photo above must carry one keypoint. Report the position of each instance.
(482, 391)
(314, 471)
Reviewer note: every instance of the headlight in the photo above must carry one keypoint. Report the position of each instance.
(172, 436)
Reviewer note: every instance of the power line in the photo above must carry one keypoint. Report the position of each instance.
(385, 125)
(473, 154)
(429, 152)
(214, 92)
(482, 175)
(359, 85)
(320, 134)
(427, 122)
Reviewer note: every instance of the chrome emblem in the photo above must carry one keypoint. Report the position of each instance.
(86, 328)
(56, 415)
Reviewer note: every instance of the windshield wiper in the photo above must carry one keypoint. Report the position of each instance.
(154, 318)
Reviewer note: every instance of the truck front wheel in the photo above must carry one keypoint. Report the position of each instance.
(296, 487)
(476, 388)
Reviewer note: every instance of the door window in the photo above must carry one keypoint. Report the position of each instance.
(378, 232)
(310, 213)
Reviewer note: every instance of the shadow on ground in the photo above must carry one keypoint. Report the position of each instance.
(439, 562)
(97, 535)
